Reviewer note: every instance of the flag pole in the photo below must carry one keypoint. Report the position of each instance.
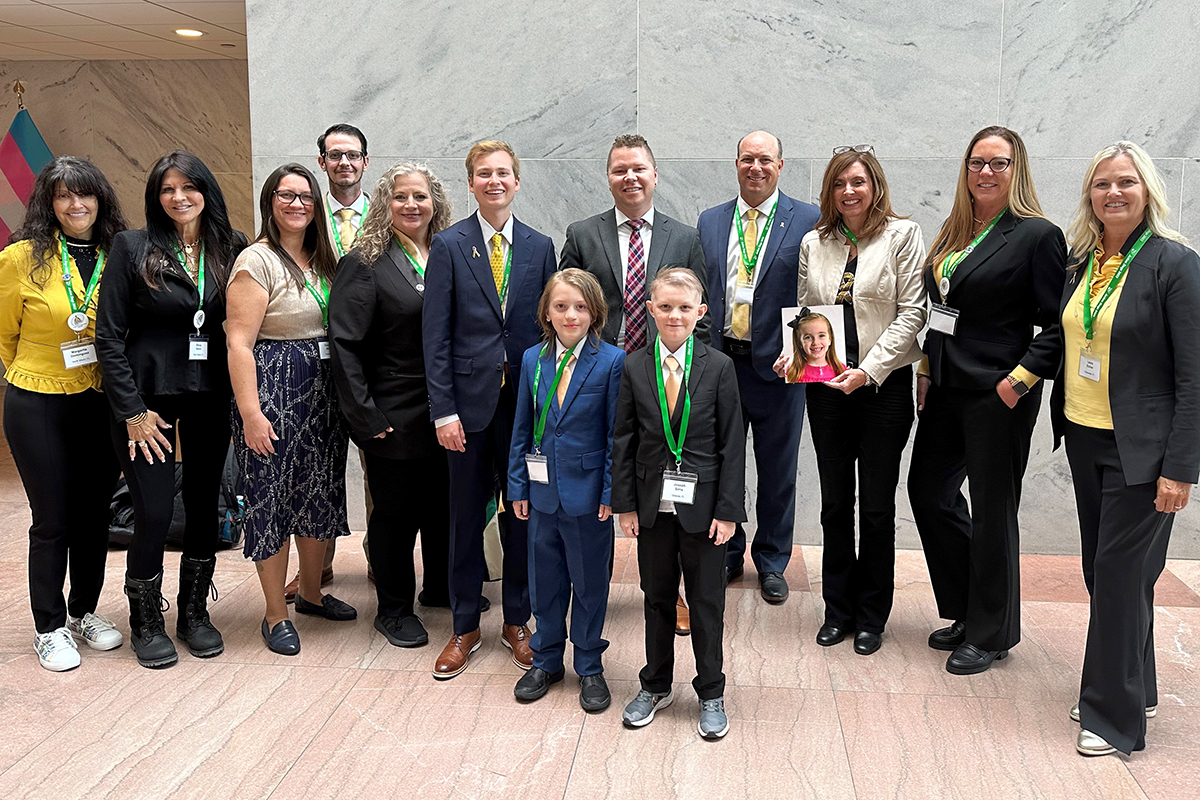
(19, 89)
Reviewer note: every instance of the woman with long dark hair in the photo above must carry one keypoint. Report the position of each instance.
(55, 417)
(289, 436)
(161, 344)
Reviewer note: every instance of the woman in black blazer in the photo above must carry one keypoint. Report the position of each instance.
(994, 272)
(161, 345)
(375, 331)
(1128, 403)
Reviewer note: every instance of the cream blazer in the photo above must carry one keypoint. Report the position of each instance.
(889, 291)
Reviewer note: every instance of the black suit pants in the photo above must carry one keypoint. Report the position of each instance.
(1124, 551)
(973, 554)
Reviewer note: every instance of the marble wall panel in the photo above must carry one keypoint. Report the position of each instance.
(1189, 202)
(1059, 181)
(58, 95)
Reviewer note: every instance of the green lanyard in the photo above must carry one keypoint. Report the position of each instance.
(748, 262)
(676, 447)
(1090, 317)
(948, 266)
(92, 284)
(420, 270)
(199, 274)
(323, 302)
(507, 270)
(849, 234)
(337, 234)
(539, 426)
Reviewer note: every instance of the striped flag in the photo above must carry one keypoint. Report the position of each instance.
(23, 153)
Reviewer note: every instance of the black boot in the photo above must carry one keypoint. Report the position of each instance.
(194, 626)
(147, 631)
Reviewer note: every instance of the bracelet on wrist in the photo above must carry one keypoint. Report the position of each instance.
(137, 419)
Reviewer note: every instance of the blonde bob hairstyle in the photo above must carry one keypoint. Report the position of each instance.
(375, 236)
(959, 228)
(593, 296)
(1086, 230)
(881, 203)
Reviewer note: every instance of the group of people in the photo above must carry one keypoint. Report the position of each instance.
(478, 372)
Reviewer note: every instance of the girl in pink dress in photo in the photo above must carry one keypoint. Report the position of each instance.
(814, 359)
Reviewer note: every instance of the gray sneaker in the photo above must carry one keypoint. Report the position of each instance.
(640, 710)
(713, 722)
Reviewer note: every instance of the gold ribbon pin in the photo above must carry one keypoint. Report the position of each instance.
(474, 253)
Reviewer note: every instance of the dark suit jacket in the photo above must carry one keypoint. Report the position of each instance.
(715, 447)
(466, 337)
(1154, 369)
(142, 333)
(577, 440)
(1010, 283)
(776, 288)
(378, 363)
(592, 245)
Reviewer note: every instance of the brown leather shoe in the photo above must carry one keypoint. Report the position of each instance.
(683, 618)
(289, 591)
(456, 654)
(516, 638)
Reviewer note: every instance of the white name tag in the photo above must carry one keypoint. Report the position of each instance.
(744, 294)
(943, 319)
(323, 348)
(78, 353)
(539, 470)
(680, 487)
(197, 347)
(1089, 366)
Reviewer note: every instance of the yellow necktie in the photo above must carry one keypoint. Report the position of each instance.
(741, 311)
(565, 380)
(345, 229)
(498, 266)
(672, 365)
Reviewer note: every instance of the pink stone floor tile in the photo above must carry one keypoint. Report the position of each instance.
(1186, 571)
(1167, 768)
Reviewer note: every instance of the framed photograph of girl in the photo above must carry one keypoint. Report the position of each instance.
(814, 343)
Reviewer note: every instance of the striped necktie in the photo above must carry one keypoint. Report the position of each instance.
(635, 289)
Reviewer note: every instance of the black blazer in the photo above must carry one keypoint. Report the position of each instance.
(1154, 374)
(378, 365)
(592, 245)
(1010, 283)
(715, 447)
(142, 333)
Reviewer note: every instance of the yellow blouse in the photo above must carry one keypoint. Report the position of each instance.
(1087, 400)
(33, 325)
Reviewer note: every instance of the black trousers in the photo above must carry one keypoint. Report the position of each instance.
(868, 429)
(662, 549)
(1124, 551)
(973, 555)
(203, 421)
(474, 478)
(61, 448)
(411, 494)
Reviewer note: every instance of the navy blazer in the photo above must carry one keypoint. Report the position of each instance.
(776, 288)
(578, 437)
(467, 338)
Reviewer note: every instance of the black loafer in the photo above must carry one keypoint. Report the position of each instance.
(830, 635)
(535, 683)
(330, 608)
(968, 659)
(402, 631)
(282, 639)
(866, 642)
(773, 587)
(949, 638)
(593, 693)
(733, 572)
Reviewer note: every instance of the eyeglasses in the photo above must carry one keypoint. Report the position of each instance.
(353, 156)
(996, 164)
(858, 148)
(287, 198)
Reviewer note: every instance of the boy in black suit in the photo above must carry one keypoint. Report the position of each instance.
(679, 489)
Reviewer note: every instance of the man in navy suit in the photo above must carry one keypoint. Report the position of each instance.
(752, 256)
(483, 283)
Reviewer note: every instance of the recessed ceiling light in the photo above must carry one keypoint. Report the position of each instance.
(228, 44)
(188, 32)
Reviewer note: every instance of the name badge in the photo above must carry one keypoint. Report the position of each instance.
(539, 470)
(78, 353)
(1089, 366)
(197, 347)
(323, 349)
(679, 487)
(744, 294)
(943, 319)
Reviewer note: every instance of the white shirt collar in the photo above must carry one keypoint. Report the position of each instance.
(359, 206)
(764, 208)
(488, 231)
(679, 354)
(648, 217)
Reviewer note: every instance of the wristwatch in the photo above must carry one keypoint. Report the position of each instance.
(1018, 386)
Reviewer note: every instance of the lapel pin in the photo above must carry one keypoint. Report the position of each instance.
(474, 253)
(782, 223)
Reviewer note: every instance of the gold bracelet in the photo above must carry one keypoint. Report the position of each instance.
(137, 419)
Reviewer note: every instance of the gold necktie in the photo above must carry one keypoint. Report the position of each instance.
(498, 266)
(565, 380)
(741, 311)
(345, 229)
(672, 364)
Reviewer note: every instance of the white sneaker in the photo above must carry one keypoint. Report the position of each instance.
(56, 650)
(99, 632)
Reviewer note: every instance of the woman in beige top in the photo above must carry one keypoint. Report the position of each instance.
(289, 436)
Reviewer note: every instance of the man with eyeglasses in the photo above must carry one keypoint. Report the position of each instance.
(752, 246)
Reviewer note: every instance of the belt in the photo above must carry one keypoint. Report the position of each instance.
(737, 347)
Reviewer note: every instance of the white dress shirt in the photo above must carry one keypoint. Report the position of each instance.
(733, 258)
(668, 506)
(624, 232)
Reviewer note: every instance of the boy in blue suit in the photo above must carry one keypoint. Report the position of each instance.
(560, 479)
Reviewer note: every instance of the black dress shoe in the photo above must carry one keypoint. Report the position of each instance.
(535, 683)
(773, 587)
(866, 642)
(330, 608)
(733, 572)
(968, 659)
(402, 630)
(948, 638)
(593, 693)
(282, 639)
(830, 635)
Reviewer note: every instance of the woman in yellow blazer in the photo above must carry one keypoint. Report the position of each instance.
(55, 416)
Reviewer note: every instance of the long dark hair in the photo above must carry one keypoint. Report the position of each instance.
(41, 225)
(215, 231)
(316, 235)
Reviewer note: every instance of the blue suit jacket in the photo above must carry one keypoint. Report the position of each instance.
(578, 438)
(776, 288)
(466, 337)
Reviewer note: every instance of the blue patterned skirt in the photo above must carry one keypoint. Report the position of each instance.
(301, 489)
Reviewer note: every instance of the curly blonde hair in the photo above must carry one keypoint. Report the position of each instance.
(375, 236)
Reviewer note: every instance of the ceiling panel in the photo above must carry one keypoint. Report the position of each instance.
(218, 12)
(38, 15)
